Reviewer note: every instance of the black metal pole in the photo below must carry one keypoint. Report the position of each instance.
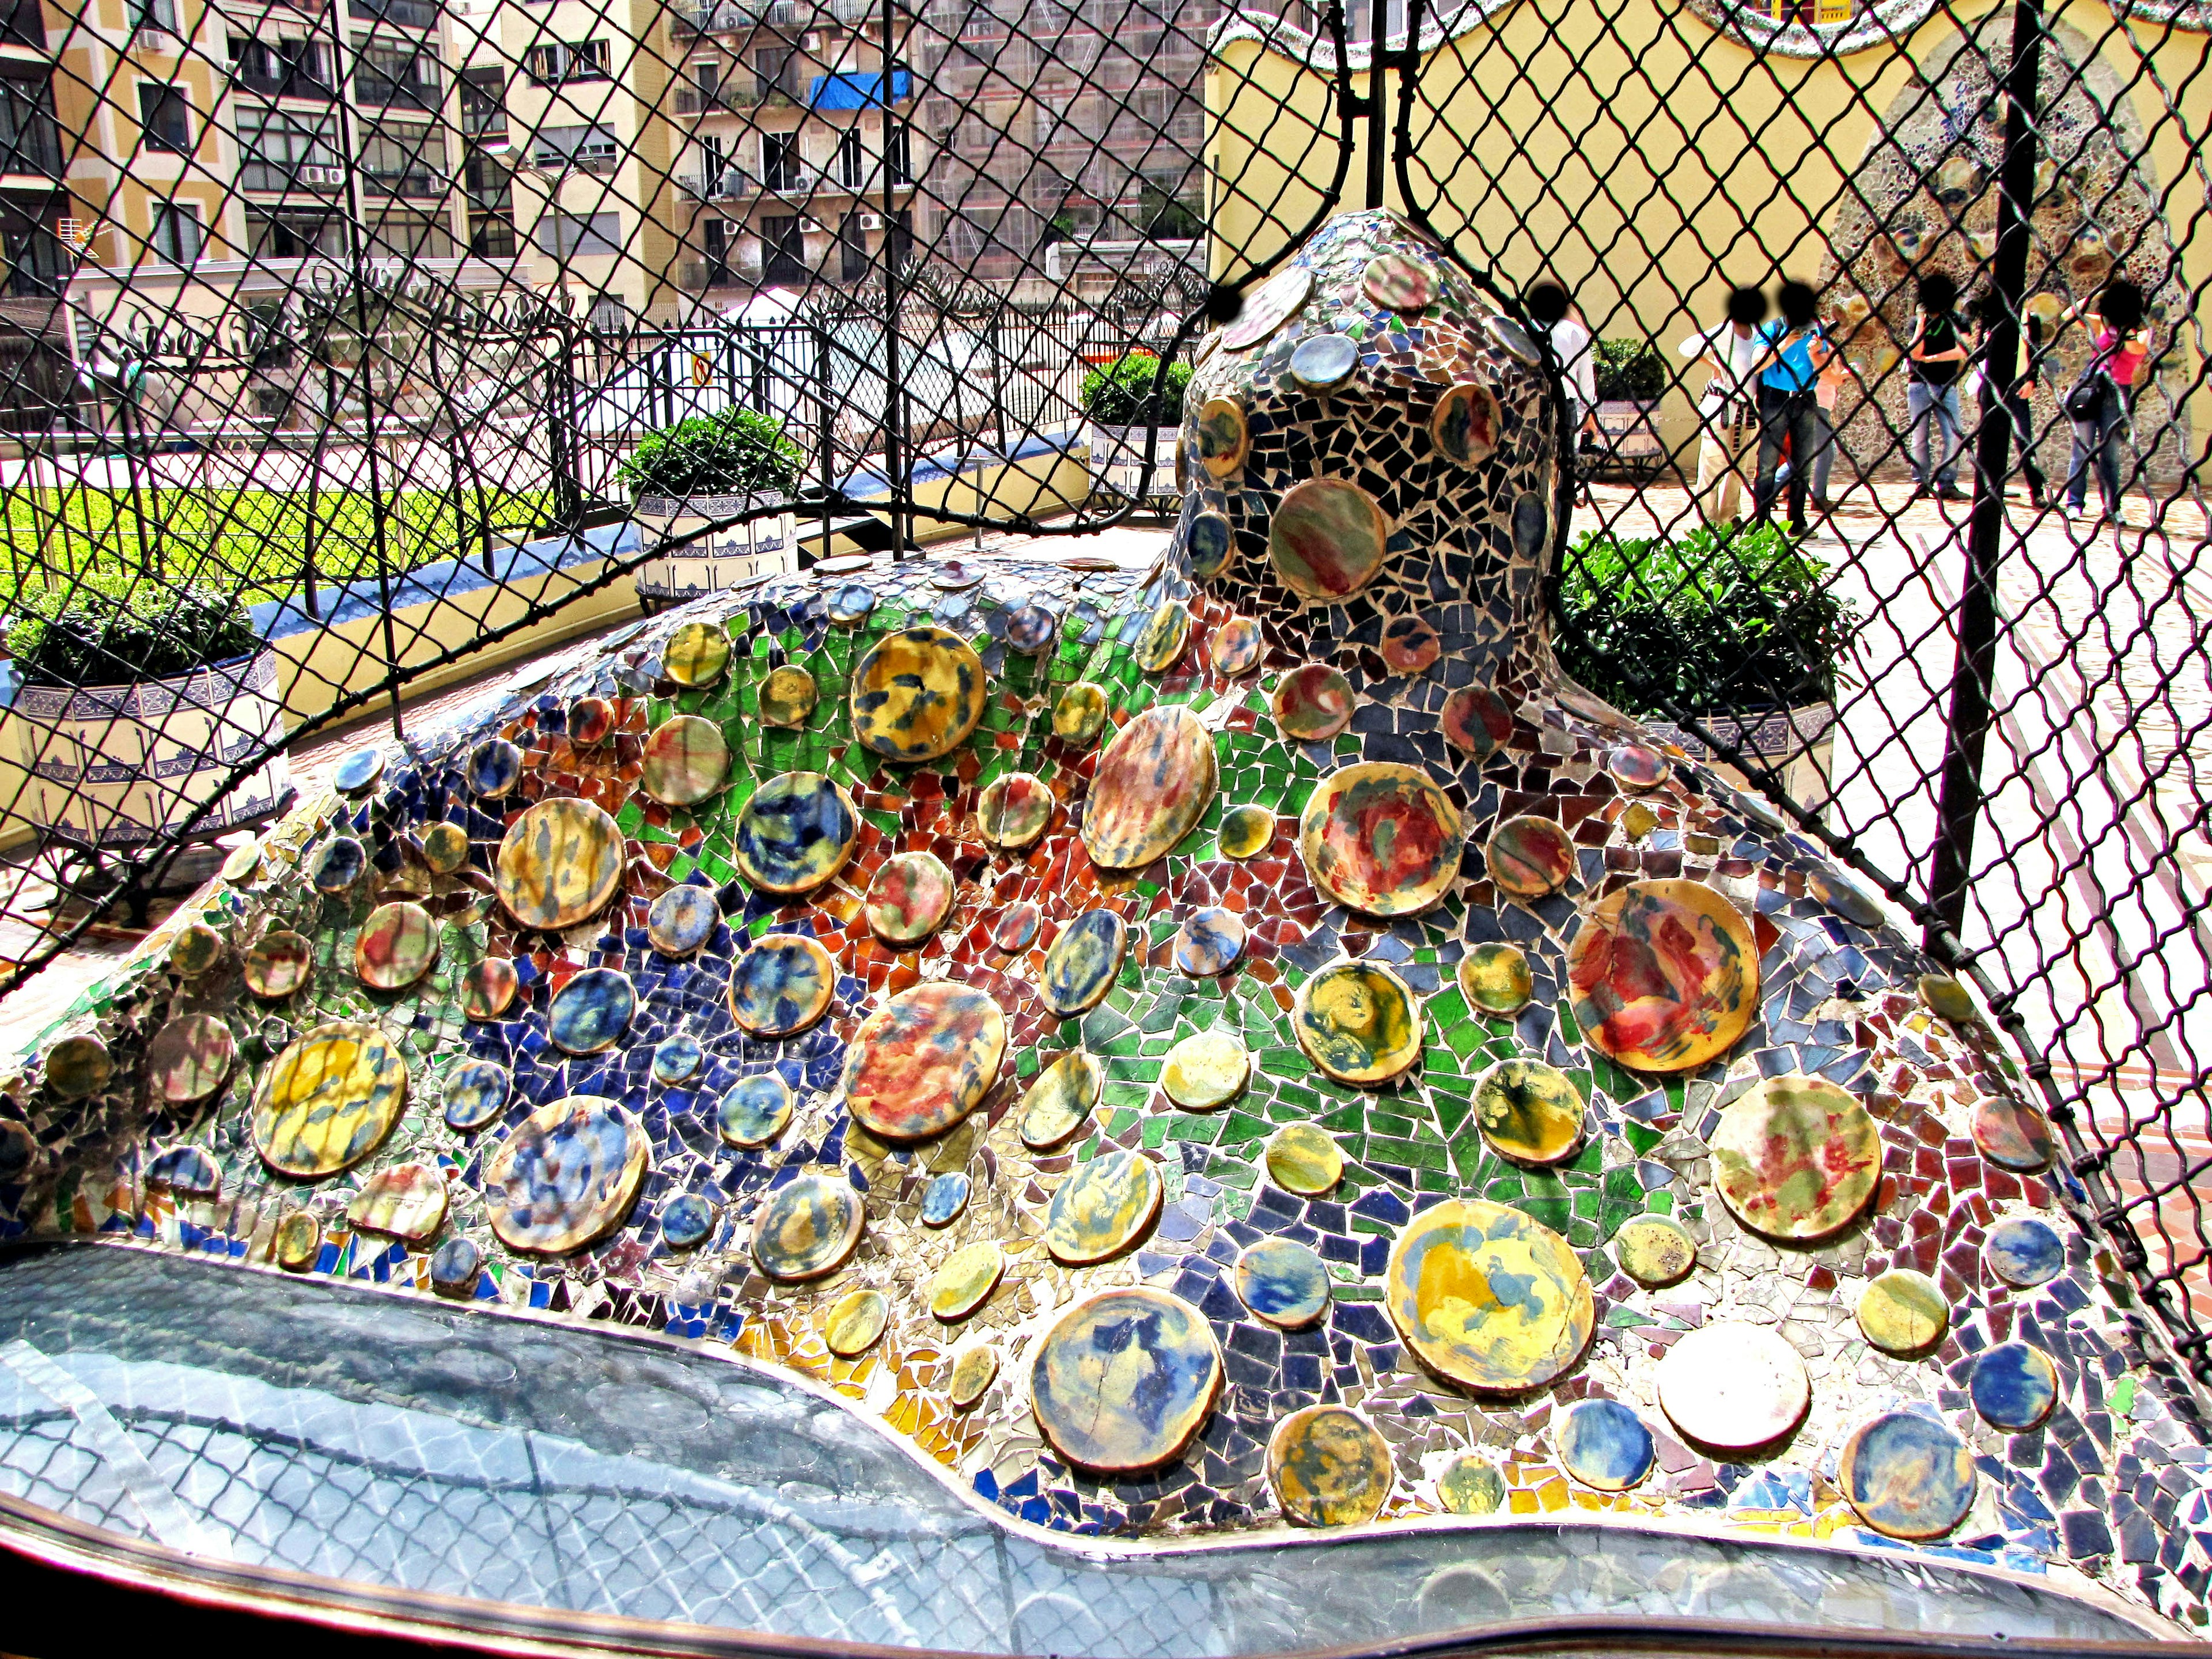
(1967, 729)
(894, 409)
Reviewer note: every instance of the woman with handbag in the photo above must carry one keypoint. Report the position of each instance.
(1727, 409)
(2101, 400)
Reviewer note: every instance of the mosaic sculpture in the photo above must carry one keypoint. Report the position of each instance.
(1240, 1044)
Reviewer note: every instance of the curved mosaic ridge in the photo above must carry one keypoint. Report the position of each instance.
(953, 1228)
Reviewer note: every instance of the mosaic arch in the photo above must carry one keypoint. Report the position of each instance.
(1925, 199)
(1445, 1077)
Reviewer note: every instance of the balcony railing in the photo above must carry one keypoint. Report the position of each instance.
(285, 179)
(726, 186)
(726, 99)
(407, 14)
(697, 274)
(296, 83)
(725, 17)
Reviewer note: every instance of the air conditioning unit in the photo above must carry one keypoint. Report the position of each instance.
(321, 176)
(872, 221)
(810, 41)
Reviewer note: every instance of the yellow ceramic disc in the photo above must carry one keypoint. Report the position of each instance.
(1496, 979)
(1247, 832)
(855, 1322)
(1102, 1208)
(1903, 1312)
(560, 863)
(1161, 641)
(917, 693)
(445, 848)
(1488, 1296)
(1329, 1466)
(966, 1281)
(298, 1241)
(1304, 1159)
(1797, 1158)
(1060, 1101)
(1358, 1022)
(1080, 714)
(1206, 1069)
(787, 695)
(396, 946)
(329, 1099)
(806, 1228)
(695, 654)
(1663, 975)
(1655, 1250)
(973, 1369)
(1528, 1111)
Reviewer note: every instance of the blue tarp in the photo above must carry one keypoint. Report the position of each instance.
(856, 91)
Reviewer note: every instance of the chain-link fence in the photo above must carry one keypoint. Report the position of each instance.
(343, 340)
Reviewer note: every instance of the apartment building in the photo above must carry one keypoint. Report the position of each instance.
(33, 210)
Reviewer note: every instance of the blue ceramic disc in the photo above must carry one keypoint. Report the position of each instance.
(2024, 1252)
(1604, 1444)
(1030, 629)
(455, 1266)
(185, 1169)
(781, 986)
(806, 1228)
(566, 1175)
(851, 604)
(1323, 361)
(753, 1110)
(476, 1094)
(944, 1199)
(1209, 942)
(1282, 1282)
(681, 919)
(1514, 340)
(677, 1060)
(495, 767)
(343, 862)
(1210, 542)
(687, 1220)
(795, 833)
(1907, 1475)
(2013, 1387)
(589, 1013)
(1532, 524)
(1083, 961)
(358, 771)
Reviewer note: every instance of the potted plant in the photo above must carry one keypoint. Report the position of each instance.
(1631, 378)
(1735, 626)
(137, 698)
(1123, 415)
(704, 471)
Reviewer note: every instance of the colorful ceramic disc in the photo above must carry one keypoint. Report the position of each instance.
(445, 848)
(1282, 1282)
(1356, 1021)
(695, 654)
(966, 1281)
(782, 985)
(1060, 1101)
(843, 564)
(1381, 838)
(807, 1227)
(945, 1197)
(1637, 766)
(851, 604)
(681, 919)
(1397, 282)
(591, 722)
(1122, 1381)
(407, 1200)
(495, 767)
(1029, 629)
(1475, 722)
(1663, 975)
(489, 988)
(2013, 1136)
(1329, 1466)
(1471, 1485)
(187, 1170)
(477, 1093)
(1327, 538)
(2013, 1387)
(560, 863)
(687, 760)
(77, 1066)
(687, 1221)
(1797, 1158)
(1532, 525)
(1161, 641)
(1079, 715)
(1267, 307)
(973, 1370)
(1528, 1111)
(788, 696)
(397, 945)
(1304, 1159)
(1080, 965)
(1496, 979)
(917, 693)
(1322, 361)
(566, 1176)
(1655, 1250)
(1513, 341)
(677, 1058)
(908, 898)
(1465, 424)
(919, 1064)
(795, 833)
(954, 576)
(1235, 646)
(1411, 645)
(1247, 832)
(1734, 1387)
(277, 963)
(2024, 1253)
(197, 948)
(329, 1100)
(1102, 1208)
(1014, 810)
(357, 771)
(588, 1015)
(1489, 1298)
(1604, 1444)
(753, 1110)
(855, 1322)
(1211, 542)
(1312, 703)
(1016, 926)
(342, 863)
(1530, 857)
(1903, 1312)
(1209, 942)
(1224, 438)
(297, 1242)
(1907, 1476)
(1946, 998)
(456, 1266)
(188, 1059)
(1206, 1069)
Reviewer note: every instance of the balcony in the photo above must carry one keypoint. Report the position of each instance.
(735, 16)
(262, 178)
(696, 275)
(731, 184)
(724, 99)
(295, 83)
(406, 14)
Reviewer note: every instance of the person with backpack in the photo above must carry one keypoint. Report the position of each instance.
(2101, 400)
(1934, 362)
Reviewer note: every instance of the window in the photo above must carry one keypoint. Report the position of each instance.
(293, 235)
(852, 249)
(587, 148)
(851, 159)
(397, 75)
(281, 151)
(576, 60)
(721, 249)
(489, 182)
(896, 155)
(484, 105)
(403, 161)
(29, 140)
(779, 160)
(152, 16)
(162, 119)
(784, 245)
(279, 69)
(491, 236)
(772, 68)
(176, 233)
(714, 173)
(566, 235)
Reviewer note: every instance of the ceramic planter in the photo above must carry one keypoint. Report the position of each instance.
(718, 559)
(115, 765)
(1117, 457)
(1629, 435)
(1798, 742)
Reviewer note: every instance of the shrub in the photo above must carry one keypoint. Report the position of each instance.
(107, 630)
(737, 453)
(1120, 393)
(1630, 369)
(1729, 620)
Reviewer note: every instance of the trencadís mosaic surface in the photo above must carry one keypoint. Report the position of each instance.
(1237, 1046)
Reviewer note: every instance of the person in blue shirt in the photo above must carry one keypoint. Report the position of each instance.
(1798, 348)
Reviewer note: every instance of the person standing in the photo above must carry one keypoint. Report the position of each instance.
(1798, 348)
(1934, 362)
(1825, 391)
(1550, 305)
(1727, 409)
(2100, 403)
